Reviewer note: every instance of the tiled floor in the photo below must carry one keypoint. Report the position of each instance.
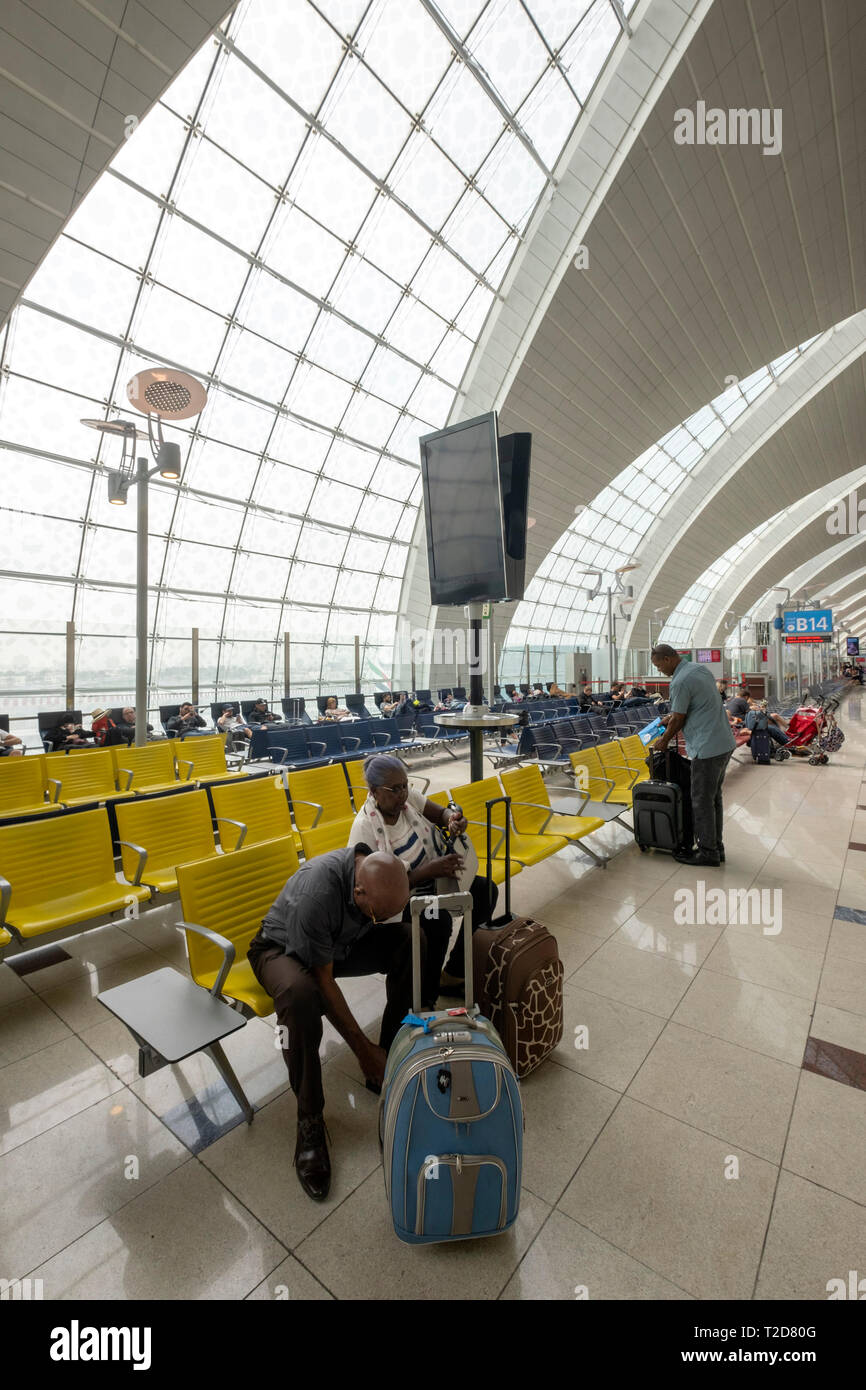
(676, 1148)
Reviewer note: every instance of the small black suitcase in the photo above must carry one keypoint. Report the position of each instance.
(657, 810)
(761, 746)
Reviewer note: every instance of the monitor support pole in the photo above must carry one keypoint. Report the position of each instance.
(476, 693)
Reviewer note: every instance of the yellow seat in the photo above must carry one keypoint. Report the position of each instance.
(166, 831)
(526, 849)
(319, 839)
(148, 769)
(260, 806)
(22, 786)
(230, 894)
(532, 813)
(635, 755)
(59, 870)
(320, 795)
(614, 767)
(203, 760)
(5, 938)
(76, 778)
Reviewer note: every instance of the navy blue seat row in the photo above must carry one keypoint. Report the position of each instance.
(315, 745)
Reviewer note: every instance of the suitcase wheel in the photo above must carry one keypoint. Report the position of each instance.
(644, 849)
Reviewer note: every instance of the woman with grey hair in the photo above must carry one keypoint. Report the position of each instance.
(401, 821)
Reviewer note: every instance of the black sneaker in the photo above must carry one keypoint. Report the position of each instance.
(700, 858)
(311, 1158)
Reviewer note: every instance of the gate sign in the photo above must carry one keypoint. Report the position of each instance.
(816, 622)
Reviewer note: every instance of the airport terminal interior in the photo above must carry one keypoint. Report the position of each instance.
(444, 415)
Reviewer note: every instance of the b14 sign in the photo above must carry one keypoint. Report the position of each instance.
(812, 621)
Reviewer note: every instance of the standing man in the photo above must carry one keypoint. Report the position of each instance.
(698, 711)
(330, 920)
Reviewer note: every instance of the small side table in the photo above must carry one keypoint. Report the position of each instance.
(171, 1018)
(476, 724)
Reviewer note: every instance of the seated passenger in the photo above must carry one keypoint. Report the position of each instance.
(260, 714)
(444, 704)
(335, 917)
(556, 691)
(333, 711)
(758, 718)
(737, 707)
(536, 692)
(10, 745)
(617, 694)
(186, 719)
(402, 821)
(69, 734)
(722, 687)
(237, 732)
(127, 724)
(587, 703)
(394, 704)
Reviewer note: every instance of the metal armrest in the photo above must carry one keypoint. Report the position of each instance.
(542, 756)
(142, 860)
(278, 748)
(53, 782)
(379, 739)
(5, 898)
(129, 776)
(226, 820)
(624, 768)
(350, 738)
(298, 801)
(227, 947)
(425, 780)
(184, 762)
(323, 747)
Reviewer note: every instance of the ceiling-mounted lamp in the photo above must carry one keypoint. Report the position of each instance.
(161, 393)
(118, 487)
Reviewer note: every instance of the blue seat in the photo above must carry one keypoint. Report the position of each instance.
(295, 709)
(287, 747)
(326, 741)
(356, 704)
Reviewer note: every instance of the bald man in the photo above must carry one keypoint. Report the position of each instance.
(330, 920)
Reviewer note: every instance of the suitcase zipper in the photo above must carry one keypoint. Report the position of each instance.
(457, 1162)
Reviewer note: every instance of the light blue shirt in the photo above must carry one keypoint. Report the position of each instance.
(706, 730)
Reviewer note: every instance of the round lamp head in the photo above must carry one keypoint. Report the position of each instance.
(124, 428)
(167, 393)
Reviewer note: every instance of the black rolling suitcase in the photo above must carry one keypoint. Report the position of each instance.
(661, 807)
(761, 746)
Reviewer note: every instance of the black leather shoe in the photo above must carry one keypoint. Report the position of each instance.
(700, 859)
(311, 1158)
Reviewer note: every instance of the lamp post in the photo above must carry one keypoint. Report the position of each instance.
(617, 588)
(159, 394)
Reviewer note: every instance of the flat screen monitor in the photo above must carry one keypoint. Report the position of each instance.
(463, 512)
(853, 646)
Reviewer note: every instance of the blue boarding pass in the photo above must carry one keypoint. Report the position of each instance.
(652, 730)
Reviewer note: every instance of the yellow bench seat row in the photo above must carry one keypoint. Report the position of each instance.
(22, 787)
(52, 878)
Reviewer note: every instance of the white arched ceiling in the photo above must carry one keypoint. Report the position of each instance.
(315, 220)
(704, 264)
(639, 68)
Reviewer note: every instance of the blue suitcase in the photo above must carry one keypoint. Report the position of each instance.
(451, 1116)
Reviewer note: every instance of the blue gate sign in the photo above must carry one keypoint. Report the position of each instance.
(818, 621)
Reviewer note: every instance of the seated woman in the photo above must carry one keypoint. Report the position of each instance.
(69, 734)
(333, 711)
(401, 821)
(557, 692)
(445, 704)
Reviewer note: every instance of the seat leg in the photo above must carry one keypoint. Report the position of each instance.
(224, 1067)
(601, 859)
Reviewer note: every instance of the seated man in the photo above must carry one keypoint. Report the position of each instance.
(445, 704)
(231, 724)
(127, 724)
(758, 718)
(10, 745)
(737, 707)
(394, 704)
(260, 714)
(186, 719)
(330, 921)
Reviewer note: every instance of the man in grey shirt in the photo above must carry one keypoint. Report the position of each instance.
(698, 711)
(331, 920)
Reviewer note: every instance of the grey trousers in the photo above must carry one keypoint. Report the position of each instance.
(708, 774)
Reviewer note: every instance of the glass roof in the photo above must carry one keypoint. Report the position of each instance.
(608, 533)
(315, 222)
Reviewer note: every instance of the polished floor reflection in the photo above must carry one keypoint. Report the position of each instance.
(699, 1133)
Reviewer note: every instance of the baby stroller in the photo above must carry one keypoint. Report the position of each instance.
(813, 732)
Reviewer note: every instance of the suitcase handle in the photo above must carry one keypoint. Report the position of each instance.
(505, 917)
(462, 902)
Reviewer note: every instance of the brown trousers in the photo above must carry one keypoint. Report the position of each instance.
(386, 950)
